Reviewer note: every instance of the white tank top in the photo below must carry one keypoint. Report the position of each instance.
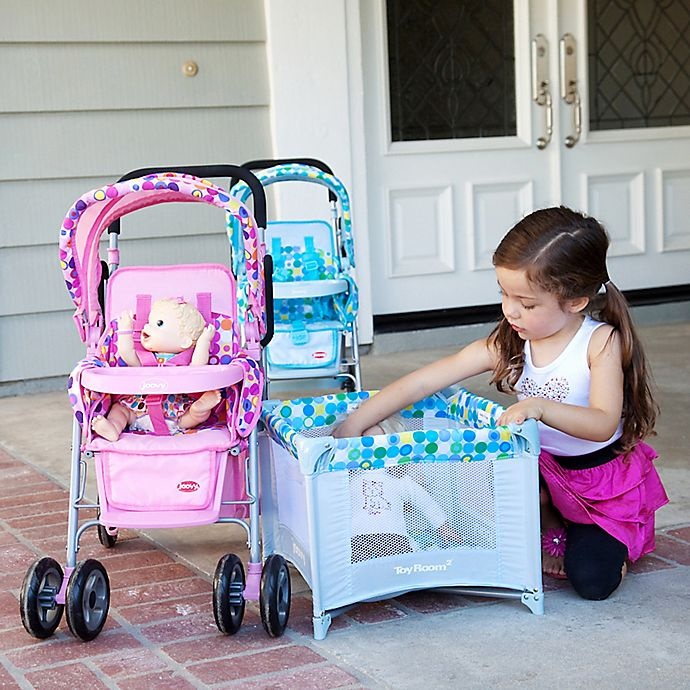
(567, 380)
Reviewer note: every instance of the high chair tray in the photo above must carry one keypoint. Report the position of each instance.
(159, 380)
(308, 288)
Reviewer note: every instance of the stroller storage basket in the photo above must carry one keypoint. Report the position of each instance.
(186, 478)
(448, 499)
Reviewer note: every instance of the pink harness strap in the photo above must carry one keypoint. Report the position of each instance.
(203, 304)
(141, 316)
(181, 359)
(154, 406)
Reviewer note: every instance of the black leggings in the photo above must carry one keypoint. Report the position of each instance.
(593, 561)
(593, 558)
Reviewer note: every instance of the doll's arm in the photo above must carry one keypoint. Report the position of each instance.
(125, 341)
(203, 345)
(423, 501)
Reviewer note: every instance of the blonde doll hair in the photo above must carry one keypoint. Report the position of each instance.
(189, 318)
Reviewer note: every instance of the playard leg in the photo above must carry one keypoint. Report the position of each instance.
(322, 619)
(321, 624)
(534, 601)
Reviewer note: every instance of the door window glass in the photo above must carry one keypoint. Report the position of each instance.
(639, 63)
(451, 69)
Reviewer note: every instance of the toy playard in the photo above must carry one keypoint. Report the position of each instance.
(448, 499)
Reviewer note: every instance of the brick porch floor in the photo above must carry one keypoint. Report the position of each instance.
(160, 631)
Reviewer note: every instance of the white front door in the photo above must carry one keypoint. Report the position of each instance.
(457, 96)
(631, 166)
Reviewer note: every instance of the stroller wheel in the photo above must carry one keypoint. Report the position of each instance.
(228, 594)
(348, 382)
(87, 599)
(106, 535)
(275, 595)
(40, 613)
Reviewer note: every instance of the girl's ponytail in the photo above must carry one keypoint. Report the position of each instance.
(639, 407)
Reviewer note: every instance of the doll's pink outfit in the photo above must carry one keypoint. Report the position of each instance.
(172, 406)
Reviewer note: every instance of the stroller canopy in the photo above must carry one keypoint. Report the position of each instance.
(295, 172)
(93, 213)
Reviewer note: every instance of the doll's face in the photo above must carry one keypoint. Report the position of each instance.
(162, 331)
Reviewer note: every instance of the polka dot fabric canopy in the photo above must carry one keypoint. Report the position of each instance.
(94, 211)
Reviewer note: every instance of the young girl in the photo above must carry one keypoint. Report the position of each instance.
(566, 345)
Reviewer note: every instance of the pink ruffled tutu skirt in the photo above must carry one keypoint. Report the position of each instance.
(620, 496)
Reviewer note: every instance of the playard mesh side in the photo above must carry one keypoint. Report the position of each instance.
(428, 499)
(422, 488)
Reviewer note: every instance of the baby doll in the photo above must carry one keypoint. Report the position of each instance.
(175, 334)
(379, 499)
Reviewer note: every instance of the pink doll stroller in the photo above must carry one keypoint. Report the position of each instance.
(161, 478)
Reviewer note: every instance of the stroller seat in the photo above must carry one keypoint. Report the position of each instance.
(184, 472)
(307, 280)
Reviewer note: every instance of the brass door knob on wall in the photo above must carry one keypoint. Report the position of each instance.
(190, 68)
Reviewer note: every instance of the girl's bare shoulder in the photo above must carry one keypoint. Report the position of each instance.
(605, 342)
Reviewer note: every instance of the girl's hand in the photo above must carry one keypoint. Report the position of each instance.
(529, 408)
(347, 429)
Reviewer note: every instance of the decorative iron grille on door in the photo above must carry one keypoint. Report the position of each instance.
(639, 63)
(451, 69)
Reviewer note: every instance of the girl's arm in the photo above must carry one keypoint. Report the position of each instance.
(476, 358)
(597, 421)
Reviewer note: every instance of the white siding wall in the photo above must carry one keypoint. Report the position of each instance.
(91, 91)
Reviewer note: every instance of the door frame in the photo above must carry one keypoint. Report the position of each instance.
(317, 108)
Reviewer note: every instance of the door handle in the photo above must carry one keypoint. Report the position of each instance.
(541, 93)
(569, 90)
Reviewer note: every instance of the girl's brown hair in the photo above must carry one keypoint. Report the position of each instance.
(564, 252)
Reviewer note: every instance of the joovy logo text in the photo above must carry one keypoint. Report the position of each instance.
(153, 385)
(422, 568)
(188, 487)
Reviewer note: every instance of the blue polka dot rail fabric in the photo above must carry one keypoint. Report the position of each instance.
(460, 428)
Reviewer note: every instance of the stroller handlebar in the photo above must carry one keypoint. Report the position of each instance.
(265, 163)
(207, 171)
